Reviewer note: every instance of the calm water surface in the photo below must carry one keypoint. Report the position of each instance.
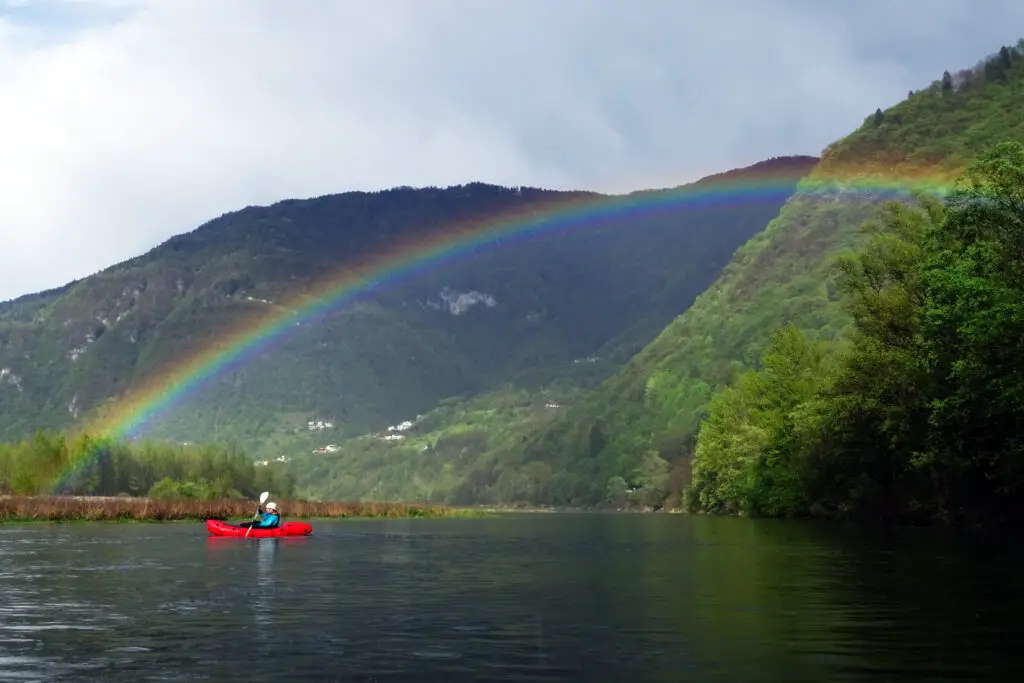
(515, 598)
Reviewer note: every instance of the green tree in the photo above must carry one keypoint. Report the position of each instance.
(974, 333)
(878, 401)
(748, 456)
(617, 491)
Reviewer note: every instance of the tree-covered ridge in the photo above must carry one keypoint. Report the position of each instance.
(396, 351)
(653, 407)
(462, 452)
(918, 415)
(470, 452)
(944, 126)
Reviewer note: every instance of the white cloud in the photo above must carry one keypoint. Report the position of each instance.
(140, 119)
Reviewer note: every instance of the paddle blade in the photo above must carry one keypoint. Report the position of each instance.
(264, 496)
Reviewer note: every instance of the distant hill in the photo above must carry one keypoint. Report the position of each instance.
(516, 314)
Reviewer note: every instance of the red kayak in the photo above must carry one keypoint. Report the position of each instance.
(218, 528)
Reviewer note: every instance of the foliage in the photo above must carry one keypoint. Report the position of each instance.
(471, 452)
(87, 466)
(463, 452)
(918, 417)
(746, 457)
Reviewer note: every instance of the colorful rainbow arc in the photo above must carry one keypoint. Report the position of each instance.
(125, 417)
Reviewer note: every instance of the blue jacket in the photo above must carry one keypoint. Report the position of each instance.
(268, 520)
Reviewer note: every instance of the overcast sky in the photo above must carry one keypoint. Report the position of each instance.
(127, 121)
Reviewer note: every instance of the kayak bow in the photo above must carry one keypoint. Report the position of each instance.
(218, 528)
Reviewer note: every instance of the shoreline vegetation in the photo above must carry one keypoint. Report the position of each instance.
(64, 508)
(85, 465)
(915, 415)
(15, 508)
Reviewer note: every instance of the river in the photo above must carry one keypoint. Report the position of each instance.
(520, 597)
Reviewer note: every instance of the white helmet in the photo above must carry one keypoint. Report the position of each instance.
(272, 506)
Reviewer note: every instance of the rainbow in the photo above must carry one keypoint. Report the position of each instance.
(127, 416)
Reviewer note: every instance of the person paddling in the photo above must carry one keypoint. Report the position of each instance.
(269, 518)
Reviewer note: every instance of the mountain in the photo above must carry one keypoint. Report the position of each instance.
(639, 425)
(598, 290)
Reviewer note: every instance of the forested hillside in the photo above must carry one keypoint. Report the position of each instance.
(917, 415)
(641, 423)
(520, 312)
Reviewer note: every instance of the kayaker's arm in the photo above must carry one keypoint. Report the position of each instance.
(266, 520)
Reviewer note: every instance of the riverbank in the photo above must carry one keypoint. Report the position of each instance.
(96, 508)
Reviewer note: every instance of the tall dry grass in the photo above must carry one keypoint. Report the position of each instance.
(70, 508)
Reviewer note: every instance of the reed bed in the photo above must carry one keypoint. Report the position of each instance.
(98, 508)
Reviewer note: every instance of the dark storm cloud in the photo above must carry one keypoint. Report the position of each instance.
(165, 114)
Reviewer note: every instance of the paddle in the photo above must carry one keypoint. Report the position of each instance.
(263, 499)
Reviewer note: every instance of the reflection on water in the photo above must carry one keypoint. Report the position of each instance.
(517, 598)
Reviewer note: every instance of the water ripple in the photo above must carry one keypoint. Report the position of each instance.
(519, 598)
